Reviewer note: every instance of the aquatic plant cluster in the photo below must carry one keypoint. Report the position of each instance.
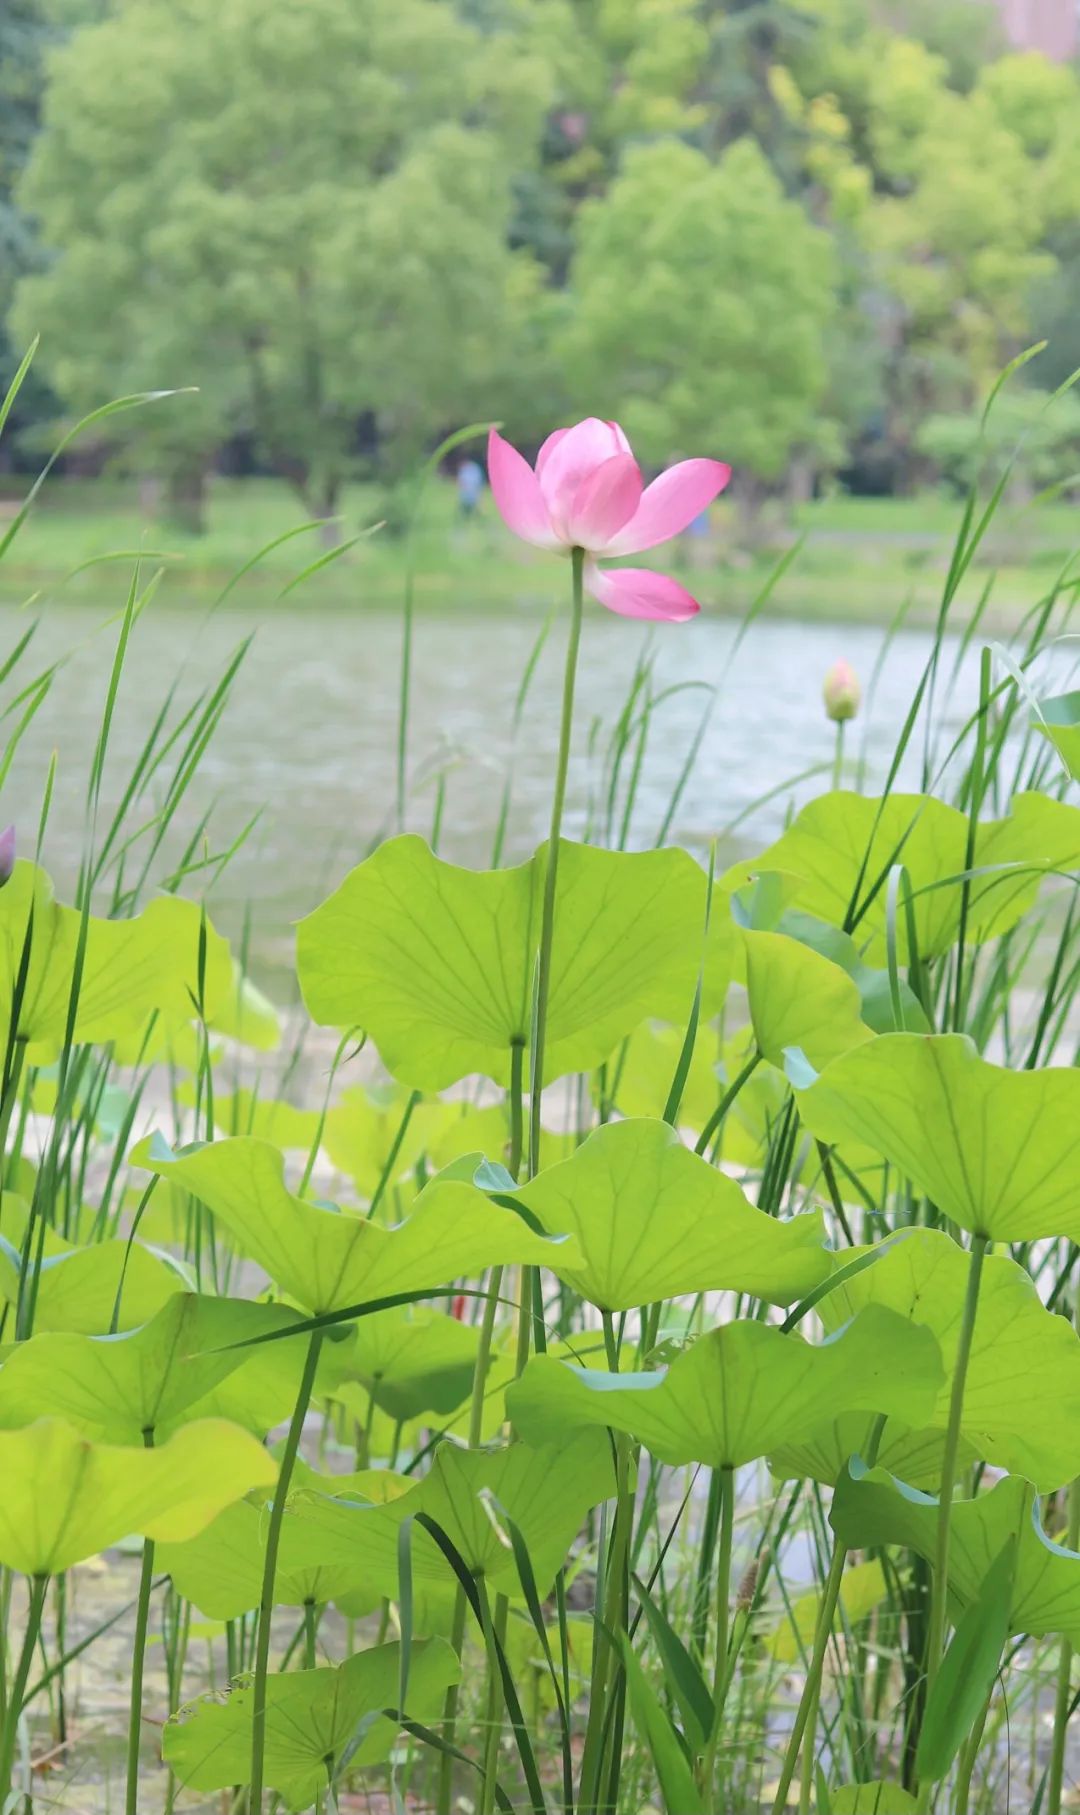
(678, 1404)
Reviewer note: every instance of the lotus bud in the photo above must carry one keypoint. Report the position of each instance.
(7, 854)
(842, 692)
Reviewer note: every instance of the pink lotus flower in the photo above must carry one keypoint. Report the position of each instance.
(586, 492)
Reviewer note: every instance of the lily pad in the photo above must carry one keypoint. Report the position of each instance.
(437, 962)
(872, 1799)
(862, 1588)
(311, 1717)
(115, 1388)
(78, 1286)
(66, 1498)
(546, 1490)
(872, 1507)
(994, 1149)
(328, 1259)
(653, 1220)
(130, 967)
(842, 842)
(220, 1570)
(800, 998)
(411, 1360)
(740, 1391)
(923, 1276)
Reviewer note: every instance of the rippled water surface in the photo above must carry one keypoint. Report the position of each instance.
(310, 732)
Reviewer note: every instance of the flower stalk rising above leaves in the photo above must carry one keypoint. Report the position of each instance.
(586, 493)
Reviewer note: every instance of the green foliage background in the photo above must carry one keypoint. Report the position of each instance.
(354, 225)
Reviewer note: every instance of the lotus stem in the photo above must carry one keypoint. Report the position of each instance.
(9, 1738)
(812, 1686)
(266, 1600)
(972, 1747)
(1063, 1699)
(547, 921)
(713, 1777)
(138, 1660)
(450, 1708)
(547, 930)
(607, 1665)
(939, 1589)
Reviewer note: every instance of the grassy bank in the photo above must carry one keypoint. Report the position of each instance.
(860, 559)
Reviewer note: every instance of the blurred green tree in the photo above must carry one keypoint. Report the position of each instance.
(303, 211)
(701, 300)
(25, 35)
(1042, 431)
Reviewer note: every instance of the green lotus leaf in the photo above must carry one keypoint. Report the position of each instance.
(740, 1391)
(362, 1131)
(78, 1286)
(327, 1259)
(411, 1360)
(872, 1507)
(378, 1436)
(436, 962)
(115, 1388)
(66, 1498)
(363, 1126)
(800, 998)
(648, 1066)
(267, 1118)
(220, 1571)
(994, 1149)
(923, 1276)
(823, 1454)
(311, 1716)
(875, 987)
(842, 842)
(862, 1588)
(653, 1220)
(585, 1348)
(245, 1015)
(872, 1799)
(545, 1490)
(752, 1120)
(1059, 720)
(129, 969)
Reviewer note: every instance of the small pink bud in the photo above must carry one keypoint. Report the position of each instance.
(842, 692)
(7, 854)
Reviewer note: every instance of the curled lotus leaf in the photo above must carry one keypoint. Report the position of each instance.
(653, 1220)
(798, 997)
(922, 1275)
(328, 1259)
(148, 1380)
(872, 1507)
(88, 1288)
(436, 962)
(842, 846)
(740, 1391)
(993, 1149)
(129, 968)
(311, 1717)
(546, 1489)
(67, 1498)
(411, 1359)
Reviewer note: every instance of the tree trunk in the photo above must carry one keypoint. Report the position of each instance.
(185, 498)
(329, 495)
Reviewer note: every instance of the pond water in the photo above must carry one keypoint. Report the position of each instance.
(309, 734)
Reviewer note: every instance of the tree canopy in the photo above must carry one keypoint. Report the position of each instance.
(352, 225)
